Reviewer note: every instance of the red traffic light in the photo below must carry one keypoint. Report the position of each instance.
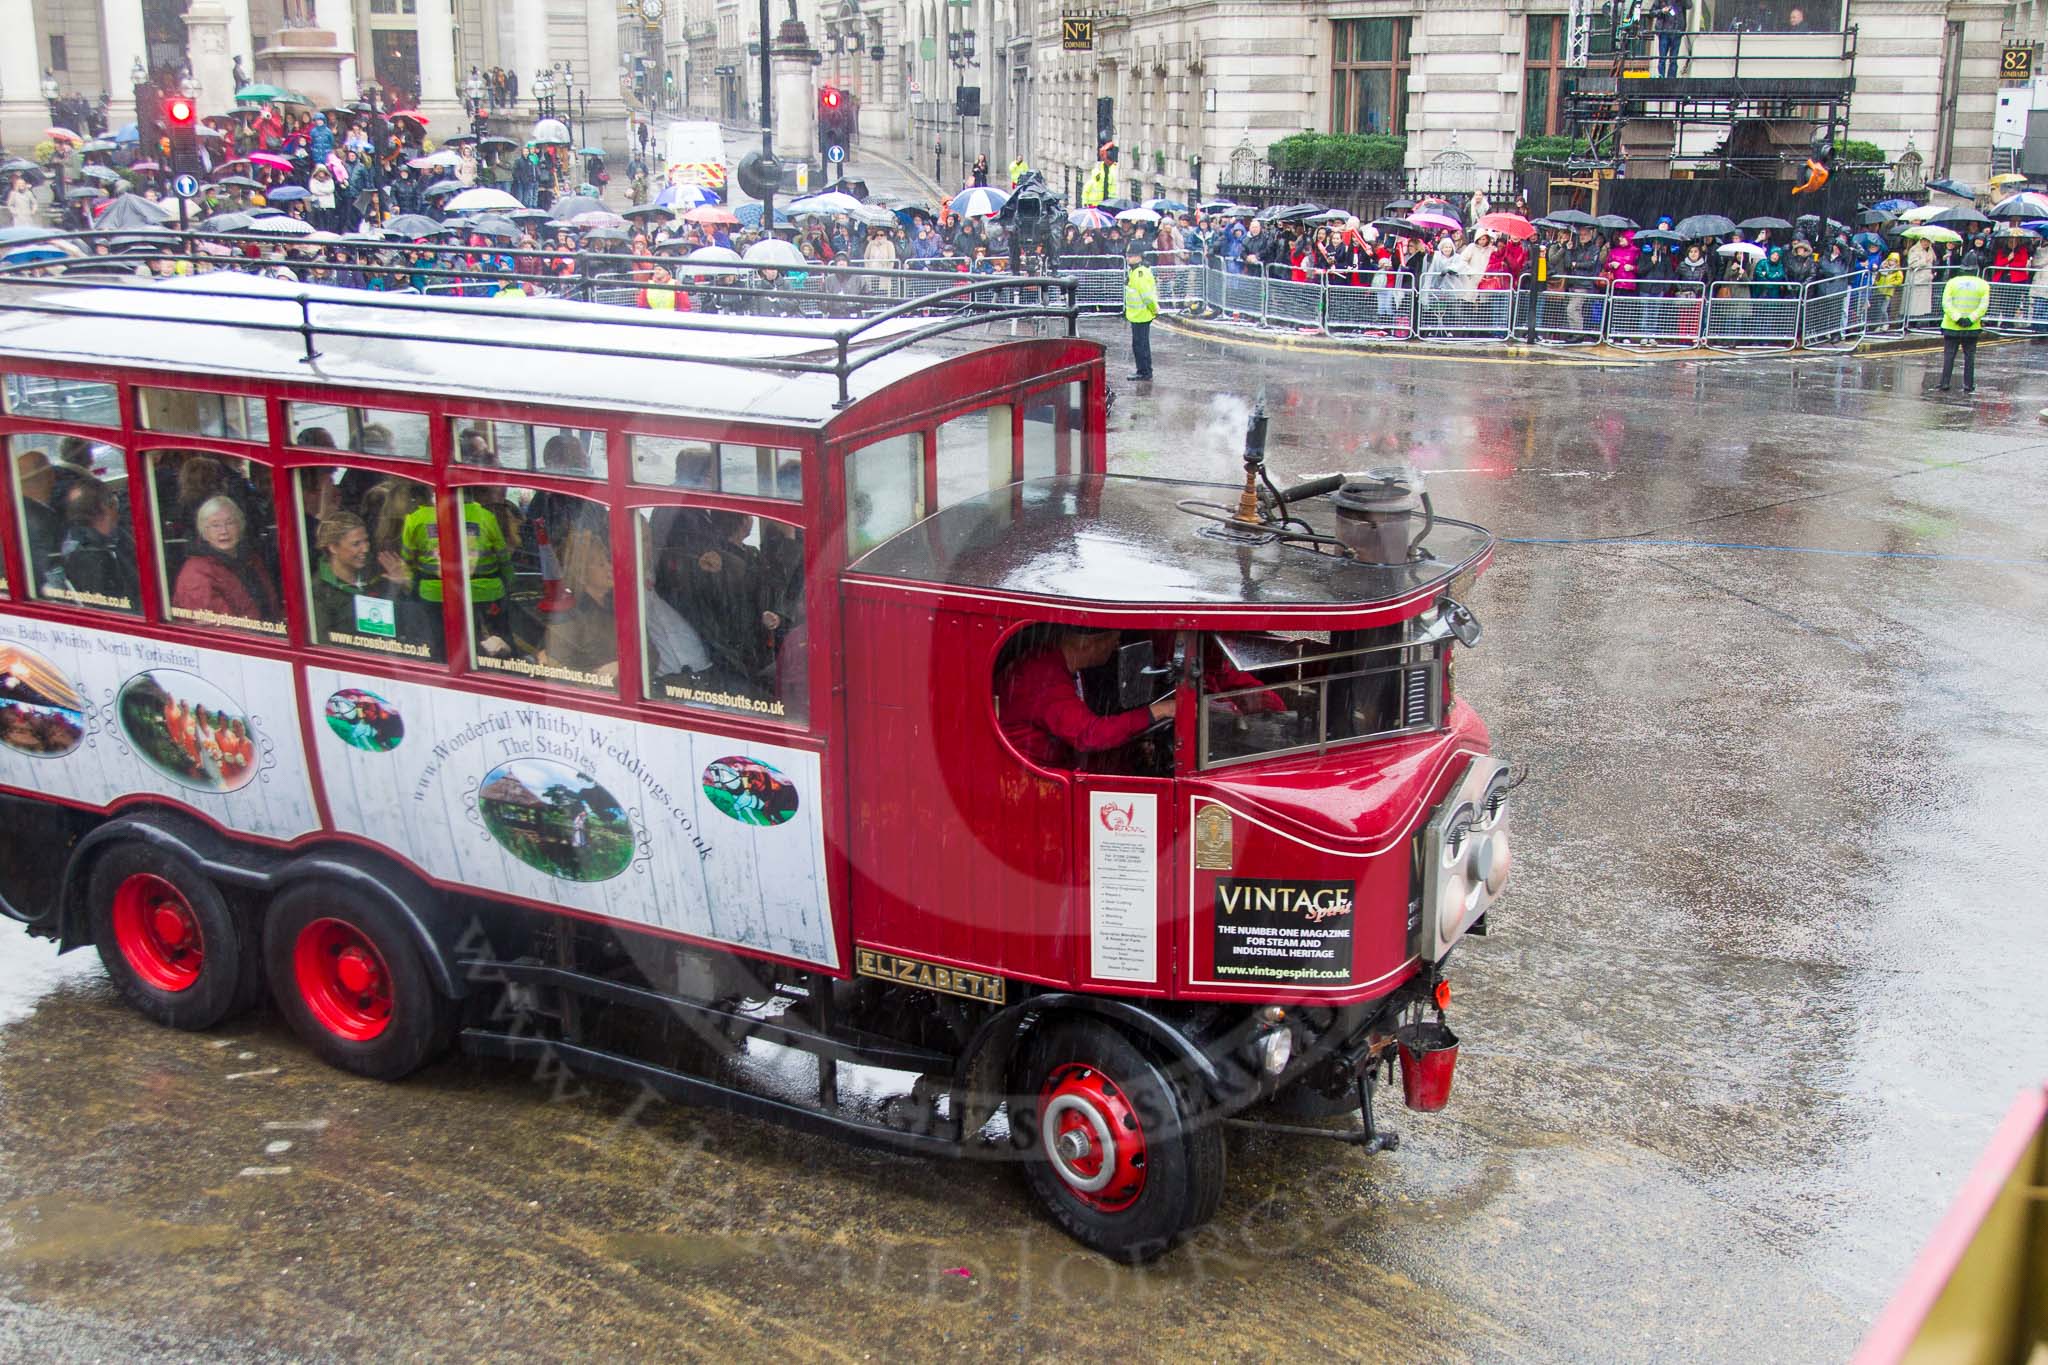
(830, 97)
(179, 111)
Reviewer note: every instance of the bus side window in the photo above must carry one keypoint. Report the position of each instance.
(540, 586)
(72, 495)
(722, 611)
(884, 490)
(568, 452)
(360, 585)
(217, 539)
(974, 454)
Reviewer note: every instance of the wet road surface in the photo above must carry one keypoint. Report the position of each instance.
(1769, 637)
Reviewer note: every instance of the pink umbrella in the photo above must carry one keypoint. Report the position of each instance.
(1442, 222)
(1508, 224)
(712, 213)
(270, 159)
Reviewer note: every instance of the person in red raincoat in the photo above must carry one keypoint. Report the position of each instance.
(1504, 268)
(1043, 713)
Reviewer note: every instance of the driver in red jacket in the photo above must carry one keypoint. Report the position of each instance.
(1041, 710)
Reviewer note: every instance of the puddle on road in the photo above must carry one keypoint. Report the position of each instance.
(30, 969)
(60, 1228)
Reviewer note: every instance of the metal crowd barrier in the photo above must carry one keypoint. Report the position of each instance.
(1767, 321)
(1658, 313)
(1384, 309)
(1467, 309)
(1572, 311)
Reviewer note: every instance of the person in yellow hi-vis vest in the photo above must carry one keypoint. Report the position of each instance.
(1141, 305)
(1017, 169)
(1100, 185)
(1964, 302)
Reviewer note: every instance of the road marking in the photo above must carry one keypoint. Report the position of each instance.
(295, 1125)
(264, 1170)
(245, 1075)
(277, 1148)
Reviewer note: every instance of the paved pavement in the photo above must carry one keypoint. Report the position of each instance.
(1767, 636)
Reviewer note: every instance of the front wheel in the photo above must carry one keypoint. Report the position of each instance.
(1112, 1147)
(169, 939)
(346, 973)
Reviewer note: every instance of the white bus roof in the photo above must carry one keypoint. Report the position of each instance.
(547, 351)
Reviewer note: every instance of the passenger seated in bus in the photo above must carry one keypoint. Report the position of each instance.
(1040, 706)
(341, 544)
(585, 636)
(221, 575)
(488, 565)
(713, 578)
(98, 553)
(42, 523)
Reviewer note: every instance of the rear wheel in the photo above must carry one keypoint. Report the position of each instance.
(168, 938)
(347, 975)
(1113, 1150)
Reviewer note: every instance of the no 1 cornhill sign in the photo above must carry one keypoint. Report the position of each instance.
(1077, 33)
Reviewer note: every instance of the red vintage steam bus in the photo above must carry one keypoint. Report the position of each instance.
(808, 681)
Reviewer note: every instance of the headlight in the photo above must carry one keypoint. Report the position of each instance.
(1275, 1049)
(1466, 856)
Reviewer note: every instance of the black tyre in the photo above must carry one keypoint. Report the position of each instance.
(1113, 1149)
(345, 971)
(169, 939)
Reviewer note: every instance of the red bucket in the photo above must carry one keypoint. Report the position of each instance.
(1429, 1056)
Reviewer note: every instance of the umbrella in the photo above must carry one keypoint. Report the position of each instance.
(1706, 225)
(457, 139)
(270, 159)
(2006, 181)
(495, 143)
(597, 218)
(828, 203)
(1764, 223)
(1330, 217)
(1749, 249)
(647, 211)
(980, 202)
(775, 251)
(1615, 222)
(1399, 206)
(2021, 206)
(608, 234)
(437, 161)
(441, 187)
(2014, 230)
(259, 94)
(687, 196)
(1165, 206)
(1137, 216)
(1401, 227)
(84, 192)
(61, 135)
(1954, 187)
(1867, 241)
(1116, 204)
(1240, 212)
(590, 151)
(1961, 215)
(711, 215)
(287, 194)
(1216, 205)
(20, 166)
(30, 253)
(1895, 205)
(874, 216)
(214, 133)
(481, 199)
(132, 210)
(1573, 218)
(1660, 235)
(713, 260)
(550, 132)
(569, 206)
(219, 121)
(1875, 217)
(100, 173)
(238, 182)
(228, 222)
(493, 227)
(1508, 225)
(98, 144)
(15, 236)
(278, 225)
(1920, 213)
(144, 166)
(127, 133)
(413, 226)
(1442, 222)
(410, 116)
(749, 215)
(1933, 232)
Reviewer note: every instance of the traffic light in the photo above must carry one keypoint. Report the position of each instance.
(181, 128)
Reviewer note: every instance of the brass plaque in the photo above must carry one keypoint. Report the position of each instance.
(1215, 834)
(1077, 35)
(930, 976)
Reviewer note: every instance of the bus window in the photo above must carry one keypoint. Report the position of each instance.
(217, 539)
(358, 579)
(974, 454)
(884, 490)
(73, 496)
(224, 416)
(62, 400)
(540, 586)
(571, 452)
(722, 608)
(722, 467)
(1051, 422)
(366, 431)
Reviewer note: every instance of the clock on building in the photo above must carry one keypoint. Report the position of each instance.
(650, 10)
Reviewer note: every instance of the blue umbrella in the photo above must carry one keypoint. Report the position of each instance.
(286, 194)
(444, 187)
(11, 235)
(982, 201)
(685, 196)
(1165, 206)
(127, 132)
(1895, 205)
(1090, 218)
(750, 216)
(1867, 241)
(1954, 187)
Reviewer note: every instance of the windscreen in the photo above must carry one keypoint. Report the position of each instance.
(1267, 693)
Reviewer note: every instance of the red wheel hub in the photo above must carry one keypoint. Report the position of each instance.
(1091, 1135)
(343, 979)
(157, 933)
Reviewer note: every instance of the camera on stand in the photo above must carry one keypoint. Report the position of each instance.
(1033, 218)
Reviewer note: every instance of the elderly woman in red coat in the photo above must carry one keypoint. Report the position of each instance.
(220, 578)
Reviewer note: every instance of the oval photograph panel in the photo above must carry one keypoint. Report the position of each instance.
(41, 713)
(188, 729)
(750, 791)
(549, 816)
(365, 720)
